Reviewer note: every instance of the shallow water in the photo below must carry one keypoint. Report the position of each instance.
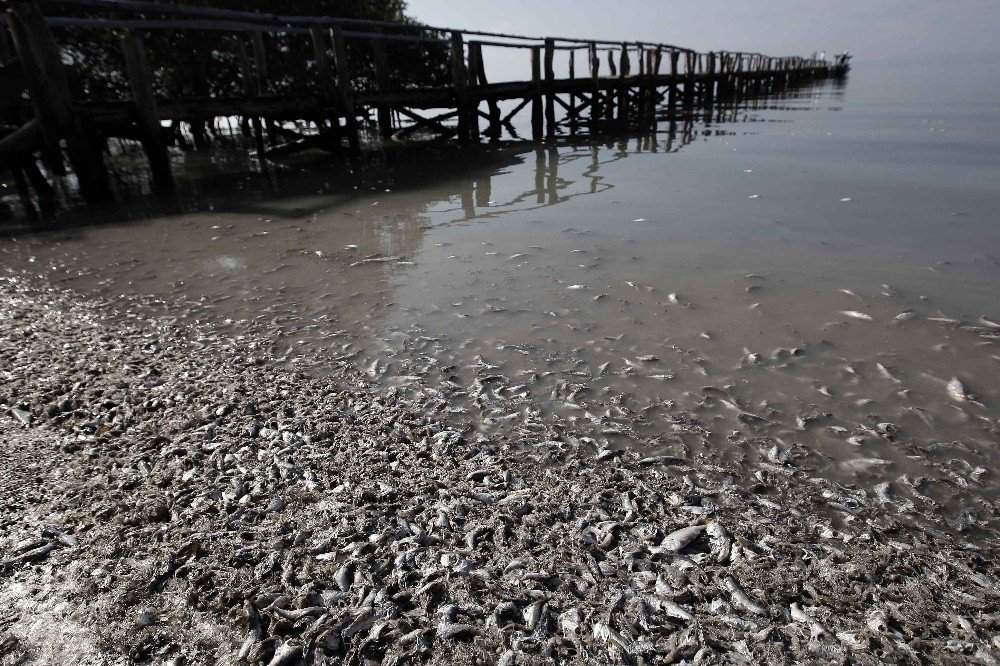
(627, 284)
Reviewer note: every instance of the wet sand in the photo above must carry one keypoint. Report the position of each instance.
(199, 503)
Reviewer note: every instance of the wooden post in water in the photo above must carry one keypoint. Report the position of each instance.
(460, 79)
(383, 111)
(344, 85)
(475, 64)
(536, 95)
(654, 96)
(327, 83)
(573, 113)
(672, 90)
(550, 94)
(710, 81)
(623, 69)
(595, 85)
(147, 117)
(261, 77)
(250, 91)
(689, 80)
(51, 100)
(479, 75)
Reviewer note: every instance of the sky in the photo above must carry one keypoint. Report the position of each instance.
(870, 29)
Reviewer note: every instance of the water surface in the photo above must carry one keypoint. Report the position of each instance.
(746, 273)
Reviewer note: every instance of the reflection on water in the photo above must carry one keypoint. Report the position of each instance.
(742, 286)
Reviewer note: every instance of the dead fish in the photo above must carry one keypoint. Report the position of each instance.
(860, 464)
(799, 615)
(956, 390)
(885, 372)
(533, 614)
(741, 598)
(989, 322)
(286, 653)
(924, 415)
(905, 315)
(377, 260)
(856, 315)
(605, 634)
(678, 539)
(722, 542)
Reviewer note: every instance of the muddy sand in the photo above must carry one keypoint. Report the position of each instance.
(175, 494)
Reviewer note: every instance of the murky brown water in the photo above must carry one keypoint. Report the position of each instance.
(748, 274)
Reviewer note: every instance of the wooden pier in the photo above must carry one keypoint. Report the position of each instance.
(356, 88)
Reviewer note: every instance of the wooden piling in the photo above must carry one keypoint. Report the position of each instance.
(689, 60)
(479, 75)
(383, 111)
(574, 113)
(344, 86)
(536, 98)
(323, 70)
(550, 95)
(459, 80)
(147, 116)
(475, 64)
(595, 87)
(49, 90)
(672, 89)
(250, 91)
(623, 70)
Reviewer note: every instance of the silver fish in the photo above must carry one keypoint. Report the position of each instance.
(678, 539)
(741, 598)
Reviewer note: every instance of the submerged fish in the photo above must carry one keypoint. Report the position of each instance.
(957, 390)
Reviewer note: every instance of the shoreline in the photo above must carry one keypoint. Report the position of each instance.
(178, 498)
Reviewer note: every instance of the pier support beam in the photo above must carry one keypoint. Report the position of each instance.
(147, 117)
(536, 97)
(550, 94)
(48, 87)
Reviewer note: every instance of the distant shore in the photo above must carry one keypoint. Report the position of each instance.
(174, 495)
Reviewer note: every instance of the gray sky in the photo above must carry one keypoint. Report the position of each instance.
(871, 29)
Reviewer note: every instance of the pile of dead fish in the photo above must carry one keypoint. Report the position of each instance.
(205, 505)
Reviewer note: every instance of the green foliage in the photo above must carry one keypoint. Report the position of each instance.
(203, 63)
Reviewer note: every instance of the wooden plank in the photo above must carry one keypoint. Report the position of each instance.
(147, 117)
(48, 86)
(550, 109)
(344, 86)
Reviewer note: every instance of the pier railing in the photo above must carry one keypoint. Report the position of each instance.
(347, 74)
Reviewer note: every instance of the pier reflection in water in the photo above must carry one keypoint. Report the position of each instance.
(675, 291)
